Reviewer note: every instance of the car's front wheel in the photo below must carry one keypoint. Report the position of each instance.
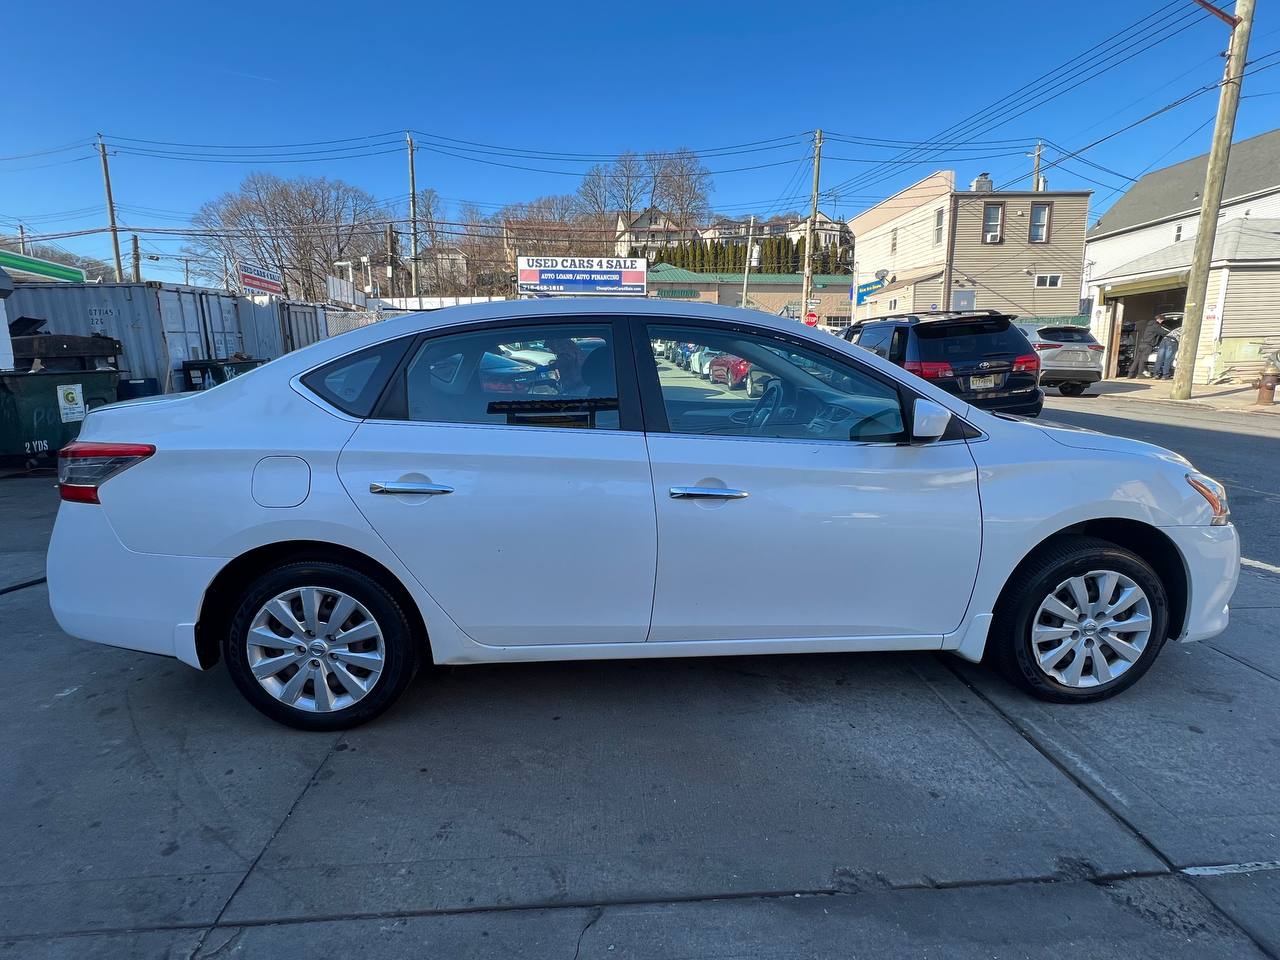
(1081, 620)
(319, 646)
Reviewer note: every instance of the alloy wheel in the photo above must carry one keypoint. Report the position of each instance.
(315, 649)
(1091, 629)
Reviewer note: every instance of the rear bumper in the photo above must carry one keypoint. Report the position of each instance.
(103, 592)
(1212, 557)
(1049, 378)
(1020, 405)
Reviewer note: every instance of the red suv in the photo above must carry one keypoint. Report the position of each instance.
(729, 370)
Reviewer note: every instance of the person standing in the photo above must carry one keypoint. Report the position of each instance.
(1146, 334)
(1167, 352)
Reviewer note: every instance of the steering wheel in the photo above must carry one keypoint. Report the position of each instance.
(766, 407)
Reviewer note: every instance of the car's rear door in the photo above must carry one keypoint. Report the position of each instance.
(804, 514)
(525, 508)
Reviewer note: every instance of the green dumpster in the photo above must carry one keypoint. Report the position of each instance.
(41, 412)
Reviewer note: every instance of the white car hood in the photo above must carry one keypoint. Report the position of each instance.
(1080, 438)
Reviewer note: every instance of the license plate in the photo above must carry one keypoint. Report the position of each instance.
(1072, 356)
(982, 383)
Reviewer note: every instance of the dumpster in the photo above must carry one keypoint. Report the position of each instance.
(41, 412)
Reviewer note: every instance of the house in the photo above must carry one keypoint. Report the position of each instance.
(826, 232)
(649, 231)
(1138, 255)
(932, 247)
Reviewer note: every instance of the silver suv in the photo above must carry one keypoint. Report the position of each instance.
(1070, 358)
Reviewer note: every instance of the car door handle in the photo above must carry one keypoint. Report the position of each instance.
(707, 493)
(412, 489)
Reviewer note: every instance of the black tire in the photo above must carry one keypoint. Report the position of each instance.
(1009, 644)
(1071, 389)
(401, 647)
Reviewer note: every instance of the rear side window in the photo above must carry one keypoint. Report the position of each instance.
(970, 339)
(1067, 334)
(353, 383)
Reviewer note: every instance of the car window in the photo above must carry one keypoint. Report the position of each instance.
(353, 383)
(875, 337)
(969, 339)
(548, 376)
(758, 385)
(1067, 334)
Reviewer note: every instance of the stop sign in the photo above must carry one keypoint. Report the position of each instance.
(811, 319)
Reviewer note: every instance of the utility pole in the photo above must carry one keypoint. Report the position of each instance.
(137, 260)
(1216, 173)
(391, 259)
(22, 238)
(1035, 176)
(806, 288)
(413, 217)
(746, 263)
(111, 210)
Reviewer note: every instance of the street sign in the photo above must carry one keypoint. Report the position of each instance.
(41, 268)
(811, 319)
(579, 276)
(254, 277)
(866, 289)
(815, 302)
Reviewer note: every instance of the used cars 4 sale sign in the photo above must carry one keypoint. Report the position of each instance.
(578, 276)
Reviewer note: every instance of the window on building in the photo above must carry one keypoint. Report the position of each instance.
(1177, 232)
(937, 226)
(993, 223)
(1049, 281)
(893, 304)
(1041, 215)
(893, 241)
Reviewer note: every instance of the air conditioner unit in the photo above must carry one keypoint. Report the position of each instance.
(992, 237)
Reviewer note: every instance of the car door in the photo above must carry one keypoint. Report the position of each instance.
(805, 513)
(521, 500)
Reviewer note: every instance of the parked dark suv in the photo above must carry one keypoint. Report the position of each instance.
(979, 356)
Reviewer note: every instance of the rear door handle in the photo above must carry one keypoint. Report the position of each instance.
(707, 493)
(410, 488)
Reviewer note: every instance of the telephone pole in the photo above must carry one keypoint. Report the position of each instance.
(391, 260)
(1035, 176)
(111, 210)
(806, 288)
(137, 260)
(1215, 174)
(22, 239)
(746, 264)
(413, 217)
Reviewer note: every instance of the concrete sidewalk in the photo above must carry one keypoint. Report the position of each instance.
(1230, 397)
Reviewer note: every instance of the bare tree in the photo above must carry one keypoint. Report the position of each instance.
(627, 185)
(298, 226)
(655, 171)
(683, 187)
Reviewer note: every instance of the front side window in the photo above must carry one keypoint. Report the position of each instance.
(758, 385)
(1050, 281)
(992, 222)
(1038, 232)
(937, 227)
(554, 375)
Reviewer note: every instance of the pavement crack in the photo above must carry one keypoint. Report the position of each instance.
(1243, 663)
(596, 914)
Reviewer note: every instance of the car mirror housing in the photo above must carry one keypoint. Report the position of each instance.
(929, 421)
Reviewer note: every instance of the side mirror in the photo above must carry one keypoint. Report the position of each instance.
(929, 421)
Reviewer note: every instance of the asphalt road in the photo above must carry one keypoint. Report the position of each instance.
(879, 806)
(1240, 449)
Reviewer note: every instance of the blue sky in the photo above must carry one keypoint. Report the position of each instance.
(587, 79)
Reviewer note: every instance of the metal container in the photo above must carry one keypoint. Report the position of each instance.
(42, 412)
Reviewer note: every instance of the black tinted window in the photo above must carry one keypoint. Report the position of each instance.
(966, 339)
(353, 383)
(1067, 334)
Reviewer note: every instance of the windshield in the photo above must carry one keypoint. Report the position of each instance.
(1067, 334)
(969, 339)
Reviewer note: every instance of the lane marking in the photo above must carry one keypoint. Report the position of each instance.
(1226, 869)
(1259, 565)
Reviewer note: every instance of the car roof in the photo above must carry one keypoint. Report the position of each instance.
(935, 316)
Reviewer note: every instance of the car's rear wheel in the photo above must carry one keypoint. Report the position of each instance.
(1071, 389)
(1081, 620)
(319, 646)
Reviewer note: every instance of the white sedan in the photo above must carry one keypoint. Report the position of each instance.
(326, 523)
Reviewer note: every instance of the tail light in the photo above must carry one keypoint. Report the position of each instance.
(929, 369)
(83, 466)
(1046, 346)
(1027, 363)
(1096, 346)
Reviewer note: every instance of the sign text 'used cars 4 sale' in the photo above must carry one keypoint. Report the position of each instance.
(256, 279)
(606, 276)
